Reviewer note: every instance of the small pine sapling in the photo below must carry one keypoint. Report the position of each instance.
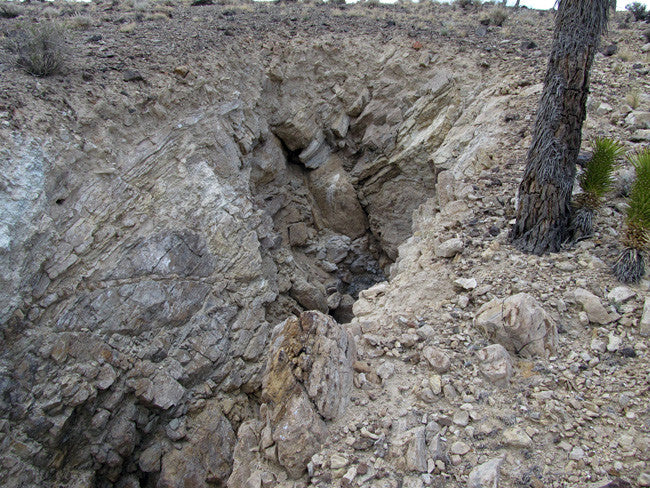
(595, 181)
(630, 266)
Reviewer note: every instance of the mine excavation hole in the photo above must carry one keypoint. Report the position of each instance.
(335, 254)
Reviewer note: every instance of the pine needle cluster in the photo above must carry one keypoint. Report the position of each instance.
(630, 266)
(595, 181)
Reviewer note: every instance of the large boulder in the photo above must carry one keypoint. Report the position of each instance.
(520, 324)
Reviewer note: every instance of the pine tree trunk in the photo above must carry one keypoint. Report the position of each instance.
(543, 213)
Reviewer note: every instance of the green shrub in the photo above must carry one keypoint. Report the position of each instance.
(630, 266)
(594, 181)
(637, 9)
(40, 48)
(9, 10)
(498, 16)
(467, 4)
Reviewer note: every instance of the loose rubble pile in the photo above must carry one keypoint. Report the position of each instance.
(194, 208)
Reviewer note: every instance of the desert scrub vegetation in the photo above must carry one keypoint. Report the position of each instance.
(633, 99)
(9, 10)
(80, 21)
(637, 10)
(498, 16)
(595, 181)
(40, 48)
(630, 265)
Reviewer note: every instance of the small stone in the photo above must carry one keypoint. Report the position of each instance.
(459, 448)
(643, 479)
(466, 283)
(298, 234)
(592, 306)
(638, 120)
(386, 370)
(598, 345)
(450, 248)
(461, 417)
(435, 383)
(576, 454)
(106, 377)
(416, 451)
(644, 325)
(132, 75)
(620, 294)
(437, 358)
(516, 437)
(149, 460)
(181, 71)
(604, 109)
(485, 475)
(496, 364)
(337, 461)
(613, 343)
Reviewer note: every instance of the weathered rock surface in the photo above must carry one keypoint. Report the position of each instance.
(153, 232)
(485, 475)
(496, 364)
(520, 324)
(308, 379)
(206, 459)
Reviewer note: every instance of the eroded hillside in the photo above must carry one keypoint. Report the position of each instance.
(197, 175)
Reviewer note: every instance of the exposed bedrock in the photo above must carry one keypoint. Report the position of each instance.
(149, 253)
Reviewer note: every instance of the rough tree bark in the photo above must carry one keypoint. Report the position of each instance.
(544, 212)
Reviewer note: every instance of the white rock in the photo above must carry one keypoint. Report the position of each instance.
(598, 345)
(461, 417)
(514, 436)
(466, 283)
(577, 454)
(496, 364)
(459, 448)
(450, 248)
(437, 358)
(644, 478)
(485, 475)
(644, 326)
(638, 120)
(613, 343)
(520, 324)
(337, 461)
(386, 370)
(620, 294)
(416, 451)
(592, 306)
(435, 383)
(604, 109)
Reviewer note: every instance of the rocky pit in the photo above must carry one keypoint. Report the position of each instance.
(256, 245)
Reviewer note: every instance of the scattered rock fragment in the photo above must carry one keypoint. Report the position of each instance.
(437, 359)
(517, 437)
(485, 475)
(496, 364)
(520, 324)
(132, 75)
(644, 325)
(449, 248)
(593, 307)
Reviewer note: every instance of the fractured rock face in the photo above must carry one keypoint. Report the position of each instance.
(206, 459)
(308, 378)
(520, 324)
(496, 364)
